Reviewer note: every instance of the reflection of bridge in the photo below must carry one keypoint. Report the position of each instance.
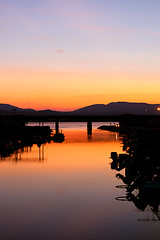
(57, 119)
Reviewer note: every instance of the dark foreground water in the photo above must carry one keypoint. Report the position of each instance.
(64, 191)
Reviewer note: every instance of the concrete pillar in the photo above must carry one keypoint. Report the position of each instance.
(57, 126)
(89, 127)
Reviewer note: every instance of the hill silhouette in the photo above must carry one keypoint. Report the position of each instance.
(113, 108)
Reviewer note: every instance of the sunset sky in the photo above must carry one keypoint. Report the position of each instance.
(67, 54)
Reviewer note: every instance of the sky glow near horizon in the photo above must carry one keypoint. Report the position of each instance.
(66, 54)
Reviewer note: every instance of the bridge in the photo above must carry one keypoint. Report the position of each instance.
(67, 118)
(124, 120)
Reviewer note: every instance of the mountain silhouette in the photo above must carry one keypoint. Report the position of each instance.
(119, 108)
(113, 108)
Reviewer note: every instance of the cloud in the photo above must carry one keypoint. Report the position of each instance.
(60, 51)
(115, 29)
(152, 33)
(93, 27)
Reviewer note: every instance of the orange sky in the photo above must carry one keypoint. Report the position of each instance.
(67, 90)
(66, 56)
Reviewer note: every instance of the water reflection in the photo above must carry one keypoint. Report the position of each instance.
(18, 155)
(17, 144)
(69, 196)
(141, 167)
(15, 148)
(66, 197)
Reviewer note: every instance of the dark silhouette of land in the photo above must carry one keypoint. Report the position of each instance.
(141, 170)
(111, 109)
(129, 115)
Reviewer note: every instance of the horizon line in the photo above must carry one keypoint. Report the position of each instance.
(74, 109)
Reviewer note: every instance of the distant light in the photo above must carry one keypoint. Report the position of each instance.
(158, 108)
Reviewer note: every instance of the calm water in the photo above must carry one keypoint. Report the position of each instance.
(67, 190)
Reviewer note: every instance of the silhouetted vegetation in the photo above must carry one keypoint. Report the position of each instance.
(14, 136)
(142, 169)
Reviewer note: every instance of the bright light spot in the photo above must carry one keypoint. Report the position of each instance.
(158, 108)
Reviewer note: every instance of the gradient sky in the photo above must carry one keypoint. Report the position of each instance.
(66, 54)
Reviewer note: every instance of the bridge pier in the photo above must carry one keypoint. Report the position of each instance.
(57, 126)
(41, 124)
(89, 127)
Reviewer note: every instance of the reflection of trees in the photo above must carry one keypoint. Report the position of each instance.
(16, 138)
(13, 150)
(19, 156)
(141, 165)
